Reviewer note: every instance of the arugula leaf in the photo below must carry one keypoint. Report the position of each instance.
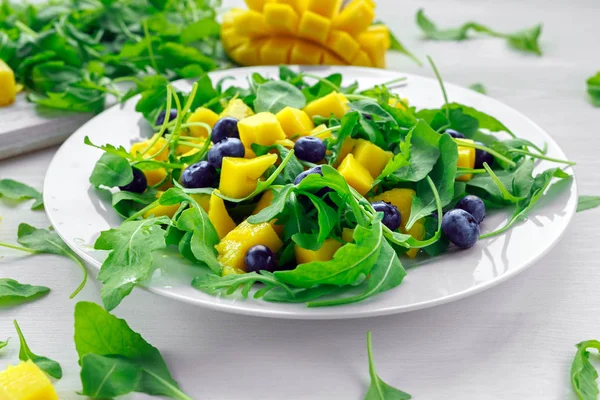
(400, 160)
(276, 207)
(109, 148)
(13, 292)
(18, 191)
(593, 89)
(396, 45)
(44, 241)
(47, 365)
(301, 295)
(424, 153)
(111, 171)
(130, 258)
(583, 373)
(3, 344)
(348, 125)
(378, 389)
(127, 203)
(115, 360)
(327, 220)
(350, 262)
(587, 202)
(274, 96)
(229, 284)
(292, 168)
(478, 87)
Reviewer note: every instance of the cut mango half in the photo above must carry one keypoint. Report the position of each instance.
(307, 32)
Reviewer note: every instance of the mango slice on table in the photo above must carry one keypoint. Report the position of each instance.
(218, 215)
(239, 176)
(371, 156)
(205, 115)
(298, 5)
(263, 128)
(334, 103)
(355, 174)
(325, 253)
(466, 159)
(26, 381)
(237, 109)
(232, 249)
(8, 85)
(294, 122)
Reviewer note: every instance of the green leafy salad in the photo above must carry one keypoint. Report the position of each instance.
(302, 190)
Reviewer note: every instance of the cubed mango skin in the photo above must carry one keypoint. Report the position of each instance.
(294, 122)
(466, 159)
(205, 115)
(239, 176)
(26, 381)
(262, 128)
(219, 217)
(334, 104)
(257, 5)
(371, 156)
(314, 27)
(361, 59)
(306, 53)
(8, 85)
(298, 5)
(232, 249)
(326, 8)
(325, 253)
(355, 17)
(250, 23)
(276, 51)
(356, 175)
(281, 19)
(155, 147)
(237, 109)
(342, 44)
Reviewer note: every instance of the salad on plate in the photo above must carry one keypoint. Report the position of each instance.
(302, 190)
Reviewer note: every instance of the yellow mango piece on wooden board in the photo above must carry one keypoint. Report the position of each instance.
(294, 122)
(205, 115)
(355, 174)
(401, 198)
(342, 44)
(233, 247)
(276, 51)
(314, 27)
(334, 103)
(140, 147)
(218, 215)
(237, 109)
(325, 253)
(281, 19)
(355, 17)
(466, 159)
(262, 128)
(250, 23)
(298, 5)
(306, 53)
(239, 176)
(326, 8)
(8, 85)
(371, 156)
(25, 381)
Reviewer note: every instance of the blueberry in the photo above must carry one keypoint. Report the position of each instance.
(199, 175)
(455, 134)
(474, 206)
(260, 258)
(138, 184)
(228, 147)
(224, 128)
(367, 116)
(391, 215)
(161, 116)
(310, 149)
(302, 175)
(460, 228)
(482, 156)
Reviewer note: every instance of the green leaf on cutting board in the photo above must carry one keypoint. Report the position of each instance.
(47, 365)
(13, 292)
(378, 389)
(18, 191)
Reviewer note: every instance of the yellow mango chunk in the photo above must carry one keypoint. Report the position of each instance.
(285, 143)
(298, 5)
(232, 249)
(325, 253)
(246, 54)
(257, 5)
(331, 59)
(342, 44)
(371, 156)
(362, 59)
(466, 159)
(218, 215)
(355, 17)
(140, 147)
(276, 51)
(402, 104)
(418, 232)
(334, 103)
(184, 149)
(294, 122)
(155, 176)
(348, 235)
(231, 39)
(326, 8)
(8, 85)
(237, 109)
(227, 270)
(375, 45)
(239, 176)
(321, 132)
(229, 18)
(250, 23)
(264, 202)
(160, 210)
(355, 174)
(306, 53)
(314, 27)
(401, 198)
(383, 31)
(262, 128)
(346, 149)
(205, 115)
(25, 381)
(281, 19)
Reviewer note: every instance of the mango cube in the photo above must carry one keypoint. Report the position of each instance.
(355, 17)
(26, 381)
(326, 8)
(342, 44)
(239, 176)
(355, 174)
(314, 27)
(321, 132)
(418, 232)
(400, 198)
(154, 148)
(155, 176)
(276, 51)
(246, 53)
(298, 5)
(8, 85)
(205, 115)
(160, 210)
(250, 23)
(348, 235)
(294, 122)
(218, 215)
(257, 5)
(237, 109)
(371, 156)
(362, 59)
(229, 18)
(233, 247)
(231, 39)
(262, 128)
(402, 104)
(383, 31)
(346, 149)
(375, 44)
(306, 53)
(466, 159)
(331, 59)
(334, 103)
(281, 18)
(264, 202)
(325, 253)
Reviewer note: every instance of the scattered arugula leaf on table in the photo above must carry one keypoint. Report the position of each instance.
(478, 87)
(525, 40)
(583, 373)
(18, 191)
(13, 292)
(4, 343)
(115, 360)
(47, 365)
(593, 89)
(378, 389)
(587, 202)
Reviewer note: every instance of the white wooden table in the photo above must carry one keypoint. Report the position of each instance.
(515, 341)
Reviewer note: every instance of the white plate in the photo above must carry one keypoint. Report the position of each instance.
(78, 213)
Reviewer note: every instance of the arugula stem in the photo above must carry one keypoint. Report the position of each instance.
(372, 371)
(143, 211)
(190, 144)
(149, 45)
(322, 80)
(85, 275)
(20, 248)
(162, 164)
(330, 129)
(484, 148)
(465, 171)
(541, 157)
(358, 97)
(507, 195)
(163, 127)
(24, 28)
(441, 82)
